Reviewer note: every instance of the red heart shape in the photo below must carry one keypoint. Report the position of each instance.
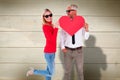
(71, 26)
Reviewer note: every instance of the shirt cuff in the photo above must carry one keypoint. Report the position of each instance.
(86, 35)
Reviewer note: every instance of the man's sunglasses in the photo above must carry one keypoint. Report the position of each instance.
(68, 11)
(46, 16)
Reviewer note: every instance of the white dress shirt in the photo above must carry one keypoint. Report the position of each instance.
(66, 39)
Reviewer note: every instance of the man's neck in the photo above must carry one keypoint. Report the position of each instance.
(72, 16)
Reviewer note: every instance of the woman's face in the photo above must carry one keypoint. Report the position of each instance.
(47, 16)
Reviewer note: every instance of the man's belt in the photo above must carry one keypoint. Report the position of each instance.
(73, 48)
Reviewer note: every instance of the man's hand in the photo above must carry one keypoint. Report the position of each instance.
(86, 27)
(64, 50)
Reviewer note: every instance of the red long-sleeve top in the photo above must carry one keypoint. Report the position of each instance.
(51, 37)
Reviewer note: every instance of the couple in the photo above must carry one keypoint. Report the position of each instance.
(71, 46)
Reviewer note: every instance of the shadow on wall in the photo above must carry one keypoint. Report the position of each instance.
(94, 61)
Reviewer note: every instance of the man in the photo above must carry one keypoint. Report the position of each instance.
(72, 46)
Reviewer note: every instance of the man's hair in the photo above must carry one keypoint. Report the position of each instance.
(73, 6)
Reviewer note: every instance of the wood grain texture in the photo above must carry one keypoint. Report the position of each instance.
(22, 40)
(34, 23)
(91, 71)
(35, 55)
(36, 7)
(37, 39)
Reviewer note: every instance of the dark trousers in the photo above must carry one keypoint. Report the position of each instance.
(69, 56)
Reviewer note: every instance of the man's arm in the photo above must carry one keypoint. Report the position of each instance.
(62, 40)
(86, 27)
(86, 31)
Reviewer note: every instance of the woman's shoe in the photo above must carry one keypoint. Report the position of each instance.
(30, 72)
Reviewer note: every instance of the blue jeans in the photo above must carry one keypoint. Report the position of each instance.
(50, 66)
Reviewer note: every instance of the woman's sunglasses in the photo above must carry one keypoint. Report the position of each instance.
(68, 11)
(50, 15)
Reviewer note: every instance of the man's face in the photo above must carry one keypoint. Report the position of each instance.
(70, 12)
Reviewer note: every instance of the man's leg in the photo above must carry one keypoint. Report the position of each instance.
(67, 65)
(79, 63)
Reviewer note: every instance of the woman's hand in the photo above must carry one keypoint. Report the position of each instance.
(56, 25)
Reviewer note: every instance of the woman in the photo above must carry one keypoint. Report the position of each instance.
(50, 32)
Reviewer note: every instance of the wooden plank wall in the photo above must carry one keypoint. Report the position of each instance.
(22, 40)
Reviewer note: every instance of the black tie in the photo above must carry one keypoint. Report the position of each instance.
(73, 39)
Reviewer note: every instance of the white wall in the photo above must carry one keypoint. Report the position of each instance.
(22, 40)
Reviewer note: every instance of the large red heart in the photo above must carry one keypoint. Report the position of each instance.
(71, 26)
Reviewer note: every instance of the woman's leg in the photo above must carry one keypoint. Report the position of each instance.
(50, 63)
(50, 66)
